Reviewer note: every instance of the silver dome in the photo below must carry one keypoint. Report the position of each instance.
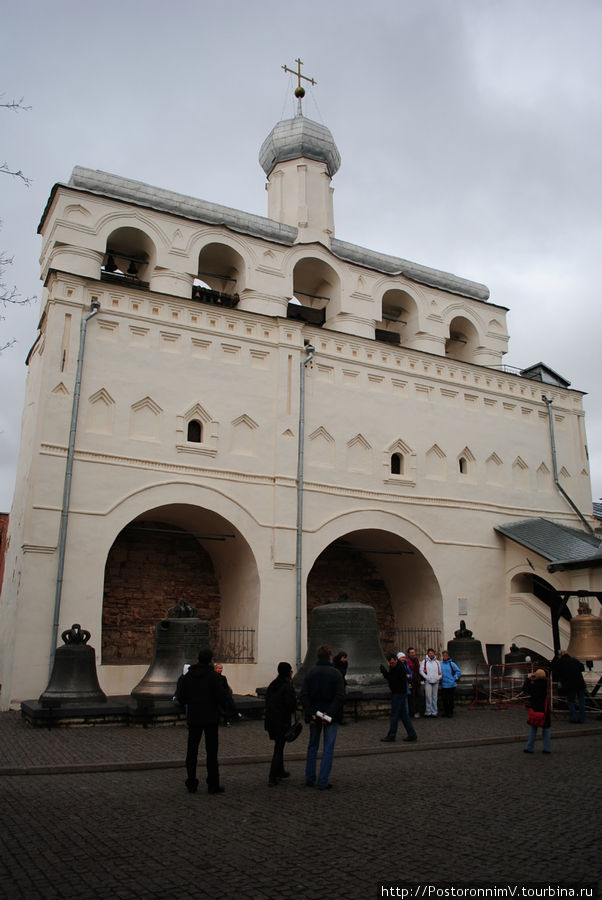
(299, 137)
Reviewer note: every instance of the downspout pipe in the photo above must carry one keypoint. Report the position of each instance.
(95, 306)
(309, 351)
(555, 466)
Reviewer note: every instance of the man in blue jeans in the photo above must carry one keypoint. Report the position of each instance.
(322, 696)
(400, 679)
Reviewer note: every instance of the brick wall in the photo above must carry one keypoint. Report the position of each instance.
(338, 571)
(149, 567)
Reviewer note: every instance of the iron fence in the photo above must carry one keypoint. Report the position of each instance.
(233, 645)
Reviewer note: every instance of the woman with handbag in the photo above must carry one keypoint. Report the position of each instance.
(280, 704)
(538, 716)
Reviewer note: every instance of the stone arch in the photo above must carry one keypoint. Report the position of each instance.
(463, 339)
(376, 558)
(531, 598)
(129, 257)
(221, 267)
(167, 552)
(400, 317)
(316, 287)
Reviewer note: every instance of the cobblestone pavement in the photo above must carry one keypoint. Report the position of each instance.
(450, 808)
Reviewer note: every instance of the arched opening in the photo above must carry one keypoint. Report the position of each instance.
(315, 285)
(194, 432)
(531, 627)
(172, 553)
(220, 276)
(396, 464)
(129, 257)
(463, 340)
(391, 575)
(463, 465)
(399, 318)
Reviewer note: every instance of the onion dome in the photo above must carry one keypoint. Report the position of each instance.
(297, 138)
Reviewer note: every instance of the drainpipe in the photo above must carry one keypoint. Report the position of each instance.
(309, 350)
(95, 305)
(555, 466)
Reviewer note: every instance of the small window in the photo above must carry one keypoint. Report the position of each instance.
(195, 432)
(397, 464)
(463, 464)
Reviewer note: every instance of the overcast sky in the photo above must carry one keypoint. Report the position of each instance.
(470, 133)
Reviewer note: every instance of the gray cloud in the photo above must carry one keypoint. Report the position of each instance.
(469, 135)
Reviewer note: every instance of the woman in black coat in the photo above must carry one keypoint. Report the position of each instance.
(536, 686)
(280, 704)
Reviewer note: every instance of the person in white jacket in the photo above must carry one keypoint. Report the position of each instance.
(430, 672)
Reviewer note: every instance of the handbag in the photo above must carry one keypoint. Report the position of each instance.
(293, 731)
(535, 719)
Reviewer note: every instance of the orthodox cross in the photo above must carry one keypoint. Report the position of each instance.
(299, 90)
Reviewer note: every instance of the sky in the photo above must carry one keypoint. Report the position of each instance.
(469, 131)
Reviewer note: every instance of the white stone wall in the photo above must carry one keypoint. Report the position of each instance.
(156, 358)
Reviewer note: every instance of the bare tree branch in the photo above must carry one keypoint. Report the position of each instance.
(10, 296)
(16, 174)
(15, 105)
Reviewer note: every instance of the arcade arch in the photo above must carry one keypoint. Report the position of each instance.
(399, 323)
(129, 256)
(316, 287)
(463, 340)
(384, 570)
(221, 268)
(173, 552)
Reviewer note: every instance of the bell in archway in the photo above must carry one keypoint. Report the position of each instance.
(586, 634)
(467, 653)
(74, 678)
(178, 640)
(349, 625)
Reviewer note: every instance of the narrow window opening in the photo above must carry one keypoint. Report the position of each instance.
(195, 432)
(463, 464)
(396, 464)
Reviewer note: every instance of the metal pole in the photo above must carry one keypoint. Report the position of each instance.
(309, 350)
(555, 466)
(67, 485)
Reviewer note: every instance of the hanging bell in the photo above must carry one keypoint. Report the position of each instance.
(110, 265)
(586, 634)
(132, 269)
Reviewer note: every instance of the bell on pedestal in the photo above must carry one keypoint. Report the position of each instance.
(349, 625)
(586, 634)
(74, 678)
(515, 662)
(467, 653)
(178, 641)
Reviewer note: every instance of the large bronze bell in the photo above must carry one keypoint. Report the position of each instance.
(467, 653)
(74, 678)
(586, 634)
(346, 625)
(178, 640)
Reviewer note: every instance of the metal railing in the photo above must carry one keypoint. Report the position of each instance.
(233, 645)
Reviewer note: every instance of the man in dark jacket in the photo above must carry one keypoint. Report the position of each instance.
(202, 692)
(399, 678)
(568, 671)
(322, 696)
